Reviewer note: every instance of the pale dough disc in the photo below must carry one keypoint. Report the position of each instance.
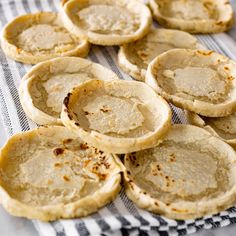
(134, 57)
(44, 87)
(201, 81)
(116, 116)
(189, 175)
(37, 37)
(49, 173)
(194, 16)
(222, 127)
(107, 22)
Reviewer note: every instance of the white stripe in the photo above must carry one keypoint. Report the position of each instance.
(45, 5)
(13, 68)
(92, 226)
(56, 3)
(110, 219)
(96, 50)
(32, 6)
(227, 44)
(45, 229)
(69, 227)
(10, 105)
(20, 7)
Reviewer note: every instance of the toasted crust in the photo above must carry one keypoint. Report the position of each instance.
(194, 16)
(119, 116)
(119, 21)
(200, 81)
(174, 180)
(44, 87)
(37, 37)
(59, 188)
(223, 128)
(134, 57)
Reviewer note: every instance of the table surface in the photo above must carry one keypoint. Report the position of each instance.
(12, 226)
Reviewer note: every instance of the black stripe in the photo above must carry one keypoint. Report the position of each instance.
(81, 228)
(58, 227)
(112, 208)
(116, 49)
(182, 232)
(26, 6)
(10, 82)
(38, 5)
(142, 233)
(13, 8)
(101, 222)
(232, 210)
(110, 61)
(163, 233)
(160, 220)
(5, 114)
(52, 5)
(131, 208)
(92, 56)
(124, 232)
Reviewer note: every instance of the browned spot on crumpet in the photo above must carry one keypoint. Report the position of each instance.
(102, 176)
(86, 113)
(205, 53)
(58, 151)
(219, 23)
(50, 181)
(230, 78)
(84, 146)
(143, 54)
(86, 163)
(58, 165)
(77, 124)
(180, 211)
(105, 110)
(66, 100)
(156, 203)
(226, 68)
(66, 178)
(66, 141)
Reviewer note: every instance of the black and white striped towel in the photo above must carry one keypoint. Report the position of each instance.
(120, 217)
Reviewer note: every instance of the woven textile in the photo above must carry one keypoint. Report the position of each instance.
(120, 217)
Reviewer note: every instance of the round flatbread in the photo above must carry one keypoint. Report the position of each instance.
(37, 37)
(44, 87)
(189, 175)
(222, 127)
(116, 116)
(194, 16)
(107, 22)
(197, 80)
(134, 57)
(50, 173)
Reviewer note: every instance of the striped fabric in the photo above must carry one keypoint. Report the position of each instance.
(120, 217)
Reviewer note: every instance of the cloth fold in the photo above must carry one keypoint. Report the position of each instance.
(120, 217)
